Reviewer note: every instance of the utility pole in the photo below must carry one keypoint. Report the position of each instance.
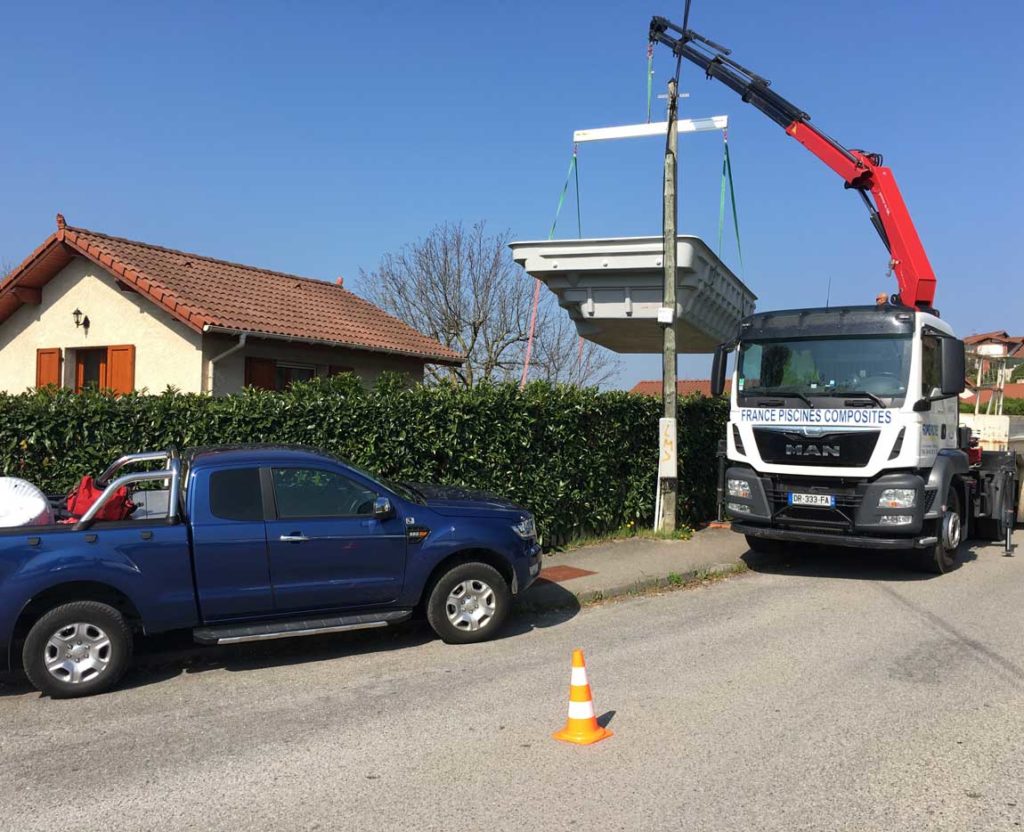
(667, 459)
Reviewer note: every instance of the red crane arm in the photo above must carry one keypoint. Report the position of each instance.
(863, 172)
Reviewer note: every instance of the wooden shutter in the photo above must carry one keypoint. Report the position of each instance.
(121, 369)
(48, 367)
(261, 373)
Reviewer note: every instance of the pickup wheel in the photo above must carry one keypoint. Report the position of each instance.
(468, 603)
(77, 649)
(944, 555)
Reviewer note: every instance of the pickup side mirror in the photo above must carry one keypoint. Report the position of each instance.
(382, 508)
(954, 366)
(718, 364)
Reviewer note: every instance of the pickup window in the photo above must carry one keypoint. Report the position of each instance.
(235, 494)
(316, 492)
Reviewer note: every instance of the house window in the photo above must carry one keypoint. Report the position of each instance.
(267, 374)
(288, 373)
(105, 368)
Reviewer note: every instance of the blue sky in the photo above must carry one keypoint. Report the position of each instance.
(313, 137)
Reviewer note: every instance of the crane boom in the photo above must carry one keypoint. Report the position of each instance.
(861, 171)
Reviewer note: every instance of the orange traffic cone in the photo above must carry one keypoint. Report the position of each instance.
(581, 727)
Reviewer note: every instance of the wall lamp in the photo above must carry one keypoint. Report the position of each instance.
(81, 320)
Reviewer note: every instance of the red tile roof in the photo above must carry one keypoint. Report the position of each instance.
(206, 294)
(684, 387)
(999, 336)
(1012, 390)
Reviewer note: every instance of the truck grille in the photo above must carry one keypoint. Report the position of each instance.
(841, 449)
(839, 518)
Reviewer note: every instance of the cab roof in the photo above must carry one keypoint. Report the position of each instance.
(260, 453)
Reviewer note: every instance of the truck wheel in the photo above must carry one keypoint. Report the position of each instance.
(77, 649)
(468, 603)
(944, 556)
(763, 545)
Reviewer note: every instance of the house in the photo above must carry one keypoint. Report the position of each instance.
(684, 387)
(997, 343)
(87, 309)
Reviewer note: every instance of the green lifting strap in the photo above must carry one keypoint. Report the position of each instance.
(727, 178)
(565, 190)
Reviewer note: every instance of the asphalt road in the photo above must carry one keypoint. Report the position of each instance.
(822, 691)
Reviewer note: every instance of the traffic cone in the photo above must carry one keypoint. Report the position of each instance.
(581, 727)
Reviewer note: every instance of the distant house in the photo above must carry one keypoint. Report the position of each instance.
(87, 309)
(684, 387)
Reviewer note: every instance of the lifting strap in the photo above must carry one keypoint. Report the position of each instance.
(573, 173)
(727, 177)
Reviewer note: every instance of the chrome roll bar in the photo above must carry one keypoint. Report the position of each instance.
(171, 475)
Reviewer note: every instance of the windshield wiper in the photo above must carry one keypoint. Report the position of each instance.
(769, 401)
(859, 394)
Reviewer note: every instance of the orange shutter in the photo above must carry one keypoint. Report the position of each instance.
(48, 367)
(261, 373)
(121, 369)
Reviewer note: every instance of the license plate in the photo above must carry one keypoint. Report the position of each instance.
(824, 500)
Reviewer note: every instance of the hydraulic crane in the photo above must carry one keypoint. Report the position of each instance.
(861, 171)
(844, 427)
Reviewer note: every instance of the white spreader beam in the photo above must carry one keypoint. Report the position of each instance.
(658, 128)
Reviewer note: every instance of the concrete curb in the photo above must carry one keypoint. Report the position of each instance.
(555, 596)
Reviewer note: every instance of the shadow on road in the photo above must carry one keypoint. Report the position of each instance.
(849, 563)
(162, 657)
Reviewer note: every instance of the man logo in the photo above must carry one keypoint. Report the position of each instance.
(812, 450)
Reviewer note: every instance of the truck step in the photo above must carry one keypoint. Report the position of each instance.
(287, 628)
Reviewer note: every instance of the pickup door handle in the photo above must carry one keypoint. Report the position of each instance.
(295, 537)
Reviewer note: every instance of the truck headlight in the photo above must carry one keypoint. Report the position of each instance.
(739, 488)
(897, 498)
(526, 528)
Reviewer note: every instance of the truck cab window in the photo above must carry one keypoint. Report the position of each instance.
(317, 492)
(931, 365)
(235, 494)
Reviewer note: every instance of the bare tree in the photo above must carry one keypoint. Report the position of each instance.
(461, 287)
(6, 267)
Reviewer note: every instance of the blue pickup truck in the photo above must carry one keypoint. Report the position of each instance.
(249, 543)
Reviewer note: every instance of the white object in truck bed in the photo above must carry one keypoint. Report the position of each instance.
(22, 504)
(612, 289)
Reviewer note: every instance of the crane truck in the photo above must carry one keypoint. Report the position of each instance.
(844, 422)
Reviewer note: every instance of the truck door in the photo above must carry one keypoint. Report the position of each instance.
(229, 545)
(327, 550)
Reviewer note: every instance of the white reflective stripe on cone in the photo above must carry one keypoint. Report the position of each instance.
(579, 676)
(581, 710)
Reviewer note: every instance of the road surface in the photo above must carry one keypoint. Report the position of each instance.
(823, 691)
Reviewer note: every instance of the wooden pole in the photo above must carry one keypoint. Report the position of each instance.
(669, 484)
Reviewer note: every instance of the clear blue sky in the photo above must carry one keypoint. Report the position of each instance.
(313, 137)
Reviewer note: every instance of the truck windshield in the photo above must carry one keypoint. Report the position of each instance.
(869, 369)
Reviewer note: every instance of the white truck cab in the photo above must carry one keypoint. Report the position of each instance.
(844, 429)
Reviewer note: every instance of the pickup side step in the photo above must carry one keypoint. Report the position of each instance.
(266, 630)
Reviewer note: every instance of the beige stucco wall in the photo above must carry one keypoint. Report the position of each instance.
(229, 373)
(166, 351)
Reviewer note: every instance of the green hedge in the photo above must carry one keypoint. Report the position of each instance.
(583, 461)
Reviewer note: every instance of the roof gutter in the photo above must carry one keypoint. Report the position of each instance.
(430, 359)
(242, 338)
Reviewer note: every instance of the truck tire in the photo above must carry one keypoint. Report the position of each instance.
(77, 649)
(944, 556)
(468, 603)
